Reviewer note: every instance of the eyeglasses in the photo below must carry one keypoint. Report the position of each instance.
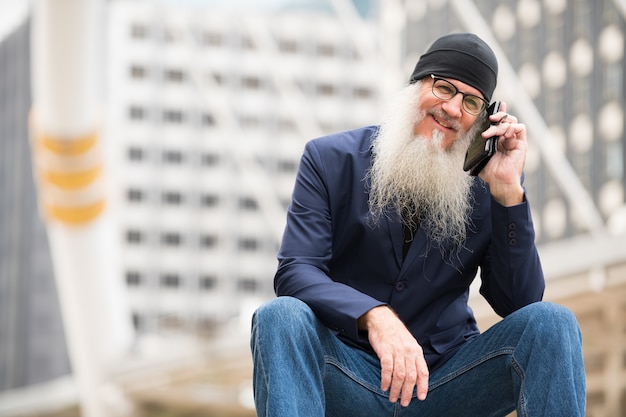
(445, 90)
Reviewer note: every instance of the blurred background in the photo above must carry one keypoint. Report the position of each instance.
(149, 151)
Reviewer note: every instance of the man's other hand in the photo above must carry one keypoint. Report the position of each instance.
(402, 362)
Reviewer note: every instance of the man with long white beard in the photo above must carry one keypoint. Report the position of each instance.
(384, 235)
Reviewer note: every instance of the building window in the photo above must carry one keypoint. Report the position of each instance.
(133, 279)
(286, 125)
(173, 157)
(247, 285)
(248, 244)
(251, 82)
(137, 113)
(325, 49)
(207, 119)
(138, 72)
(363, 92)
(285, 201)
(287, 166)
(248, 204)
(171, 239)
(288, 46)
(212, 39)
(208, 241)
(134, 236)
(326, 89)
(170, 280)
(134, 195)
(139, 321)
(135, 154)
(208, 325)
(210, 159)
(173, 198)
(208, 282)
(175, 75)
(209, 200)
(138, 31)
(170, 321)
(173, 116)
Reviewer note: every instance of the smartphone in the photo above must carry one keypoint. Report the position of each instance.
(481, 149)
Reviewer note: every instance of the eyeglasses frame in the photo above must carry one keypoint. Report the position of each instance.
(457, 91)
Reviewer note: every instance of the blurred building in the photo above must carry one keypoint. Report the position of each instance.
(208, 112)
(32, 344)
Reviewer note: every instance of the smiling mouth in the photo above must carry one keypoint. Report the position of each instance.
(442, 122)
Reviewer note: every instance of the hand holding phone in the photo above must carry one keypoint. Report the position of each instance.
(481, 149)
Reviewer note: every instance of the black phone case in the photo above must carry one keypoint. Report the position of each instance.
(481, 149)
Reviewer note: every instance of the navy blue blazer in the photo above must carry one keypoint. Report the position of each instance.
(332, 258)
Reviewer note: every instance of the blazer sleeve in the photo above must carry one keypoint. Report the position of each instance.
(511, 271)
(306, 251)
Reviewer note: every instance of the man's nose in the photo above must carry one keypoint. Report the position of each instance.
(454, 106)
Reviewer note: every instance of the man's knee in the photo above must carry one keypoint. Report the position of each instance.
(551, 312)
(287, 327)
(282, 314)
(553, 319)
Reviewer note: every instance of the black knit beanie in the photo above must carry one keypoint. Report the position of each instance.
(463, 57)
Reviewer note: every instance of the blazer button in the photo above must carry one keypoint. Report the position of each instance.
(337, 329)
(400, 286)
(512, 226)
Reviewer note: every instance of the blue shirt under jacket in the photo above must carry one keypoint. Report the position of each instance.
(332, 258)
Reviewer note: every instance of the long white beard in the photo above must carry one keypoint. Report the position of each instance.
(418, 181)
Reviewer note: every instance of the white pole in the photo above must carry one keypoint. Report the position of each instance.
(68, 164)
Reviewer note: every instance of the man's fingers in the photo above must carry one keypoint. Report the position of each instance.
(397, 383)
(417, 377)
(409, 384)
(422, 379)
(386, 372)
(402, 363)
(405, 378)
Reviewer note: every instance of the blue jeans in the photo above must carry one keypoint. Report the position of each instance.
(531, 362)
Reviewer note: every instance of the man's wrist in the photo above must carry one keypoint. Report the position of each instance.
(372, 315)
(509, 196)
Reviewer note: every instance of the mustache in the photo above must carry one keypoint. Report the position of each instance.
(444, 117)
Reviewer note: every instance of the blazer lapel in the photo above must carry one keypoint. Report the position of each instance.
(395, 234)
(417, 248)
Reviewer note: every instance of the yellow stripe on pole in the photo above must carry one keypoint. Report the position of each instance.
(72, 180)
(65, 147)
(75, 215)
(69, 172)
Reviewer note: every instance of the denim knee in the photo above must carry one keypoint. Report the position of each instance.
(549, 312)
(282, 314)
(553, 319)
